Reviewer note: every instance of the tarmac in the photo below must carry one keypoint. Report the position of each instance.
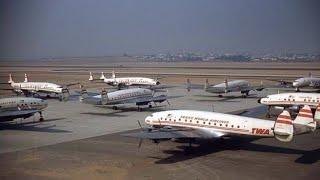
(81, 141)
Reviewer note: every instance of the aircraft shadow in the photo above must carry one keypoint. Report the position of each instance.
(203, 148)
(33, 126)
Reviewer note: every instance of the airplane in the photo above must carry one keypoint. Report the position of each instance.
(192, 124)
(312, 82)
(241, 86)
(292, 101)
(21, 107)
(34, 88)
(137, 96)
(124, 82)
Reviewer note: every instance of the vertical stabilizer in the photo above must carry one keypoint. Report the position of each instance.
(206, 84)
(317, 115)
(304, 121)
(113, 75)
(104, 96)
(25, 78)
(226, 85)
(102, 76)
(188, 85)
(10, 79)
(83, 92)
(90, 77)
(283, 127)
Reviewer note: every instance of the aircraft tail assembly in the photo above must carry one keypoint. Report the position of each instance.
(283, 128)
(104, 96)
(25, 78)
(304, 121)
(10, 79)
(102, 77)
(317, 115)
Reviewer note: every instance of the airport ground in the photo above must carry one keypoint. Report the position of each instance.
(80, 141)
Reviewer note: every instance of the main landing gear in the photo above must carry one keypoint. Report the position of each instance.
(41, 117)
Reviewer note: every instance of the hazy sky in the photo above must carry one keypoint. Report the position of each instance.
(55, 28)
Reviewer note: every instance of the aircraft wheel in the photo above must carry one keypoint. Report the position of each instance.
(139, 109)
(41, 119)
(115, 108)
(150, 106)
(220, 96)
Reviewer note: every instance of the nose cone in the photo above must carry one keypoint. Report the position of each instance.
(148, 119)
(259, 101)
(295, 84)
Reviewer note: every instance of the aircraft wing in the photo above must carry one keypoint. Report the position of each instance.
(18, 113)
(165, 133)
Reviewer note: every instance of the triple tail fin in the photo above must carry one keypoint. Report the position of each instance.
(283, 127)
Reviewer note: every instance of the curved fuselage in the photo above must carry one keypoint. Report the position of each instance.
(37, 87)
(131, 81)
(212, 122)
(288, 99)
(233, 86)
(15, 103)
(126, 95)
(307, 82)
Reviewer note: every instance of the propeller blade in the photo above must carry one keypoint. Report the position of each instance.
(140, 125)
(140, 143)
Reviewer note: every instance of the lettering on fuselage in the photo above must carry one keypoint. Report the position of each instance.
(260, 131)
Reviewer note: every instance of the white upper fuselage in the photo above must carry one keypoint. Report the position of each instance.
(22, 103)
(284, 99)
(233, 86)
(126, 94)
(37, 87)
(307, 82)
(131, 81)
(212, 123)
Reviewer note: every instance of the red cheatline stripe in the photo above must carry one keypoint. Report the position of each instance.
(284, 116)
(284, 122)
(305, 115)
(306, 110)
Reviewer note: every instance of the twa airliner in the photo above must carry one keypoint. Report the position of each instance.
(125, 81)
(189, 124)
(34, 88)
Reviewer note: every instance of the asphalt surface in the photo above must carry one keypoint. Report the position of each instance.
(80, 141)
